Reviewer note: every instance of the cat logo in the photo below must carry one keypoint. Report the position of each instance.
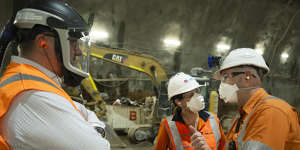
(116, 57)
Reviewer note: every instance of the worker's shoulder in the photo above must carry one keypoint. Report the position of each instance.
(209, 113)
(38, 97)
(205, 115)
(277, 104)
(166, 120)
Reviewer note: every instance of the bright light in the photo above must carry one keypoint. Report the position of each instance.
(172, 42)
(98, 35)
(260, 48)
(284, 57)
(223, 47)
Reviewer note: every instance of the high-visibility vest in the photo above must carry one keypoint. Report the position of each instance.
(180, 135)
(21, 77)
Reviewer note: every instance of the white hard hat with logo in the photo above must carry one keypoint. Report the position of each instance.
(240, 57)
(181, 83)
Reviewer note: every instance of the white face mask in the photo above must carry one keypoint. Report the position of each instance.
(228, 92)
(196, 103)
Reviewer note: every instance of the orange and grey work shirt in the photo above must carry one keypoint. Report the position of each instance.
(267, 122)
(174, 133)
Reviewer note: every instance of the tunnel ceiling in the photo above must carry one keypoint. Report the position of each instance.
(269, 25)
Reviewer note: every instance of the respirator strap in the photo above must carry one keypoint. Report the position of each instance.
(248, 88)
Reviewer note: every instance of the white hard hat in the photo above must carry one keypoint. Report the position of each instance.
(181, 83)
(242, 56)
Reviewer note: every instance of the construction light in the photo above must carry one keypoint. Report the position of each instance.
(98, 35)
(284, 57)
(221, 47)
(259, 47)
(172, 42)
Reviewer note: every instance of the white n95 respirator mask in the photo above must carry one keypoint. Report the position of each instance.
(196, 103)
(228, 92)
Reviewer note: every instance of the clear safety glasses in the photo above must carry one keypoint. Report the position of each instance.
(226, 76)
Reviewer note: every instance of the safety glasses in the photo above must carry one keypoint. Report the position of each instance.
(224, 77)
(190, 94)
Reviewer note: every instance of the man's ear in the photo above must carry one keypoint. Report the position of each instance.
(40, 41)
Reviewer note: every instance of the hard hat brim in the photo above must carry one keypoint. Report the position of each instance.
(217, 74)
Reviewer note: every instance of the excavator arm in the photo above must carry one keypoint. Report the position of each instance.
(151, 67)
(142, 63)
(133, 60)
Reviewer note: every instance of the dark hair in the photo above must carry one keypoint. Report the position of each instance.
(261, 72)
(179, 97)
(175, 107)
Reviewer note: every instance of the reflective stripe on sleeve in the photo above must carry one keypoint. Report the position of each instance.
(20, 76)
(254, 145)
(215, 128)
(175, 135)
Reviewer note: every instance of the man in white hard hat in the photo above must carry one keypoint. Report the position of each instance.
(189, 119)
(265, 122)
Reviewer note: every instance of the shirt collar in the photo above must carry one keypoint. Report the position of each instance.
(178, 117)
(51, 75)
(259, 95)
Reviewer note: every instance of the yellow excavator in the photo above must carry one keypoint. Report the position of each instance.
(134, 119)
(154, 108)
(138, 123)
(133, 60)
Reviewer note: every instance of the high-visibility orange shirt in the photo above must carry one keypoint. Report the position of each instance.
(273, 123)
(163, 141)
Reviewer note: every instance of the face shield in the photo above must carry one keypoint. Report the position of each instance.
(71, 45)
(75, 51)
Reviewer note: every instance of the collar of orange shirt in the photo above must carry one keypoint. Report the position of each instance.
(258, 96)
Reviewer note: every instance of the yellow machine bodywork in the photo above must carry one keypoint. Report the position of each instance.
(134, 60)
(97, 104)
(141, 63)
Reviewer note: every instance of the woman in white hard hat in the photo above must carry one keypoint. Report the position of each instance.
(189, 119)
